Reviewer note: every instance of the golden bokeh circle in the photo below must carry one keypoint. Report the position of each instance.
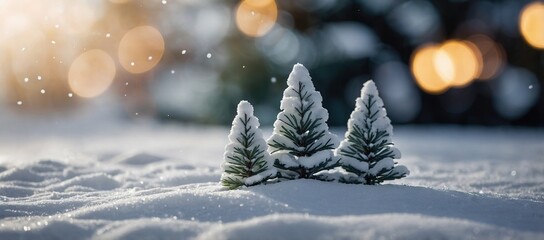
(91, 73)
(141, 49)
(531, 24)
(465, 61)
(255, 18)
(425, 74)
(493, 55)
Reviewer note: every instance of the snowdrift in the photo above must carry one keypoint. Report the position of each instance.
(119, 186)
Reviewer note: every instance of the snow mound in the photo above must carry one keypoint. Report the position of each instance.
(490, 190)
(136, 158)
(154, 228)
(92, 182)
(387, 226)
(20, 174)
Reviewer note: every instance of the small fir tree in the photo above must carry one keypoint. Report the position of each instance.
(246, 161)
(367, 151)
(301, 144)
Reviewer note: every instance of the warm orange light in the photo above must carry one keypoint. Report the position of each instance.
(256, 17)
(141, 49)
(463, 65)
(78, 17)
(91, 73)
(531, 24)
(120, 1)
(493, 55)
(424, 70)
(444, 65)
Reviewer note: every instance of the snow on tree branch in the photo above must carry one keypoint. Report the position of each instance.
(301, 144)
(367, 152)
(246, 161)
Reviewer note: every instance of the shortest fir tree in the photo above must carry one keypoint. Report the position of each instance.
(246, 161)
(367, 151)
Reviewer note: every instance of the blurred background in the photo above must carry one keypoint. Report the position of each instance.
(435, 62)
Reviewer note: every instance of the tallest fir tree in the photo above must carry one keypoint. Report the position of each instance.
(301, 143)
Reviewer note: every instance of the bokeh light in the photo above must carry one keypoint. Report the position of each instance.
(408, 47)
(458, 62)
(515, 92)
(531, 24)
(120, 1)
(255, 18)
(398, 91)
(454, 63)
(492, 53)
(425, 74)
(417, 20)
(141, 49)
(91, 73)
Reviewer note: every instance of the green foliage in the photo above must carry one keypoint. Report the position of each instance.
(306, 132)
(246, 156)
(301, 130)
(367, 150)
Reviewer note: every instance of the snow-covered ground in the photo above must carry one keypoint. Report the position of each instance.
(150, 181)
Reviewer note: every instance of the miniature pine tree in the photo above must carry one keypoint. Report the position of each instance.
(246, 161)
(301, 143)
(367, 150)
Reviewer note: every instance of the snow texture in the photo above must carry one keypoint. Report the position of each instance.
(59, 183)
(367, 149)
(301, 128)
(246, 161)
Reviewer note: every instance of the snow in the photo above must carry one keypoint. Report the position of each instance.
(301, 129)
(246, 146)
(369, 140)
(144, 180)
(314, 160)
